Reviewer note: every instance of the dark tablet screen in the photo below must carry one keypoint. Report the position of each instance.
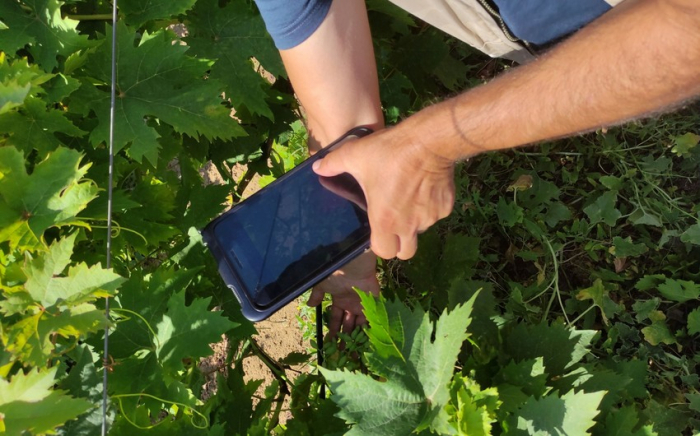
(282, 236)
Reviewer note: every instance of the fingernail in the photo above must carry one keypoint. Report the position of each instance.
(316, 165)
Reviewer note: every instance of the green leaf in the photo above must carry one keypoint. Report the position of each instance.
(427, 259)
(60, 87)
(33, 126)
(528, 376)
(626, 248)
(452, 73)
(680, 290)
(692, 234)
(81, 284)
(642, 217)
(557, 212)
(509, 213)
(694, 401)
(155, 79)
(42, 29)
(232, 35)
(33, 338)
(603, 209)
(694, 322)
(571, 414)
(51, 196)
(600, 298)
(418, 56)
(685, 143)
(611, 182)
(27, 403)
(18, 80)
(148, 296)
(483, 325)
(668, 421)
(205, 203)
(137, 12)
(417, 367)
(472, 409)
(658, 333)
(560, 347)
(187, 331)
(650, 281)
(644, 308)
(622, 422)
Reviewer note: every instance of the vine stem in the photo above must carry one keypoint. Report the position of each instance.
(556, 294)
(148, 325)
(119, 397)
(93, 17)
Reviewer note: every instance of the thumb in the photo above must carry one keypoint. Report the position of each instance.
(331, 165)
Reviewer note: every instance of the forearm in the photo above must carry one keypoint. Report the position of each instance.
(641, 57)
(334, 74)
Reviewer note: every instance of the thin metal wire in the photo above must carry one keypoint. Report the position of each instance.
(113, 93)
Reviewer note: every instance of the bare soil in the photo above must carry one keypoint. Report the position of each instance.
(278, 336)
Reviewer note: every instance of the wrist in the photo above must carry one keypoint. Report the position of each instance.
(438, 131)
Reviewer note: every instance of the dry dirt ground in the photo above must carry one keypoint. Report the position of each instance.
(278, 336)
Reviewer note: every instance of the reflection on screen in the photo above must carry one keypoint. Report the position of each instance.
(280, 237)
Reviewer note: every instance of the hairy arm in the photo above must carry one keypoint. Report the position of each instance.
(642, 57)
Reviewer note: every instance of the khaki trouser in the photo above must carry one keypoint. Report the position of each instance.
(469, 21)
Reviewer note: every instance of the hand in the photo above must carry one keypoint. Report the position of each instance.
(408, 187)
(346, 311)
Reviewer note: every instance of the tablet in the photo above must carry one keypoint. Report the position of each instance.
(290, 235)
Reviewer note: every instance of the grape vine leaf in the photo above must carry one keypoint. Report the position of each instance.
(623, 422)
(18, 80)
(32, 339)
(473, 410)
(42, 28)
(81, 284)
(141, 382)
(522, 379)
(151, 223)
(572, 414)
(560, 347)
(137, 12)
(418, 370)
(155, 79)
(51, 196)
(233, 35)
(150, 294)
(84, 381)
(187, 331)
(33, 127)
(668, 421)
(28, 403)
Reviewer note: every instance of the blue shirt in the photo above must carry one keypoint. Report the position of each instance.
(543, 21)
(290, 22)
